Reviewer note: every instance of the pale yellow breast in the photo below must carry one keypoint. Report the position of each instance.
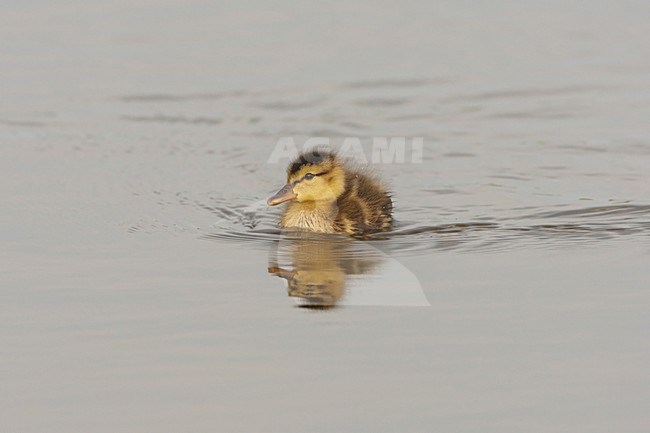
(300, 216)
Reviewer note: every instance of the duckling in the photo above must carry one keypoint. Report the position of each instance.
(327, 196)
(317, 267)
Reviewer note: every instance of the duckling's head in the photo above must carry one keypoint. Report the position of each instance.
(317, 287)
(315, 176)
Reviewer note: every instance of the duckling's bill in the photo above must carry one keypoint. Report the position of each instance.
(285, 194)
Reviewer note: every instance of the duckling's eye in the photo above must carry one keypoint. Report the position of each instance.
(309, 176)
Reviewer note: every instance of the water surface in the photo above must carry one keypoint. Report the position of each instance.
(146, 286)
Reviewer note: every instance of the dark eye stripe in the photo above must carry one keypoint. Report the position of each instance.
(313, 174)
(303, 178)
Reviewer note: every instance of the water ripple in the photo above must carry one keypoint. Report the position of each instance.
(597, 211)
(160, 118)
(409, 237)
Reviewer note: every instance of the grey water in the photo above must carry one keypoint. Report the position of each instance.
(147, 287)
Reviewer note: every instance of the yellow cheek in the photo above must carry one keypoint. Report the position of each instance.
(315, 190)
(305, 191)
(302, 192)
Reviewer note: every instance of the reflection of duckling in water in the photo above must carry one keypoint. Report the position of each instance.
(316, 268)
(329, 197)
